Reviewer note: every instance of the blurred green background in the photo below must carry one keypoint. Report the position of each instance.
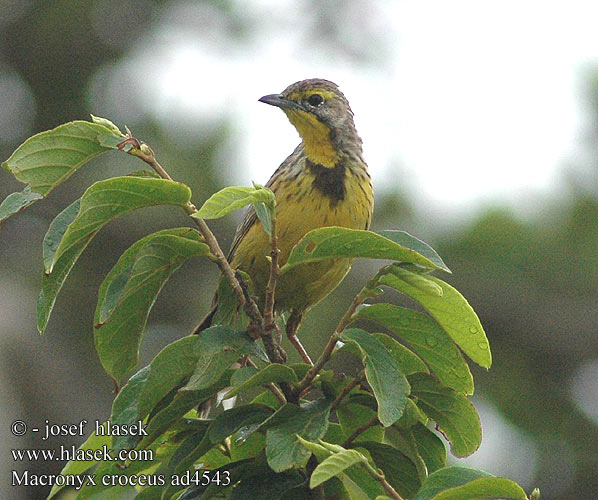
(185, 77)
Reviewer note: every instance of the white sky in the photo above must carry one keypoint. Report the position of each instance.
(475, 101)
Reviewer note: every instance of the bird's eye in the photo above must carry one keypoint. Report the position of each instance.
(315, 100)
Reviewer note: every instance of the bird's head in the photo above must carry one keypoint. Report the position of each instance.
(322, 116)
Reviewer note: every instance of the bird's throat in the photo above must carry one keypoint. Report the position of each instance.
(316, 138)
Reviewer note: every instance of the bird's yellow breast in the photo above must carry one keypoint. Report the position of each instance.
(300, 207)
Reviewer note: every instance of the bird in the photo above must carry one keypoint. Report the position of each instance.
(323, 182)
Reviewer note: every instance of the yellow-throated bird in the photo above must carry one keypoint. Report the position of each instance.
(324, 182)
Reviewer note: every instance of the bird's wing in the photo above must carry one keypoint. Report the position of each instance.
(250, 217)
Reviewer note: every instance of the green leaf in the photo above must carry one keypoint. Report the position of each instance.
(360, 485)
(427, 339)
(430, 447)
(268, 399)
(48, 158)
(453, 313)
(218, 353)
(356, 480)
(242, 375)
(150, 493)
(383, 374)
(271, 373)
(334, 242)
(398, 469)
(228, 311)
(75, 467)
(319, 451)
(191, 449)
(182, 402)
(178, 360)
(232, 198)
(114, 468)
(483, 489)
(235, 470)
(15, 202)
(264, 214)
(99, 491)
(455, 415)
(309, 421)
(172, 364)
(247, 448)
(420, 281)
(131, 294)
(208, 366)
(56, 231)
(402, 440)
(102, 202)
(449, 477)
(124, 408)
(421, 247)
(114, 284)
(411, 416)
(108, 124)
(351, 416)
(334, 465)
(407, 361)
(267, 486)
(229, 421)
(109, 199)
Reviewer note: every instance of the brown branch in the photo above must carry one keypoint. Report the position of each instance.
(360, 430)
(271, 386)
(392, 493)
(291, 330)
(346, 390)
(269, 323)
(146, 154)
(378, 475)
(334, 338)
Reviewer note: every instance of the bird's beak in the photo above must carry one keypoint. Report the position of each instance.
(278, 100)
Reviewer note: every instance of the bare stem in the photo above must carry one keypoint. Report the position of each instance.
(269, 322)
(271, 386)
(346, 390)
(360, 430)
(334, 338)
(145, 153)
(378, 475)
(392, 493)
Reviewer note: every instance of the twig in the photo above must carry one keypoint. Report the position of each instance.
(378, 475)
(145, 153)
(334, 338)
(346, 390)
(392, 493)
(271, 386)
(291, 329)
(269, 323)
(359, 431)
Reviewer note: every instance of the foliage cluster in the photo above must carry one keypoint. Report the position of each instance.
(297, 429)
